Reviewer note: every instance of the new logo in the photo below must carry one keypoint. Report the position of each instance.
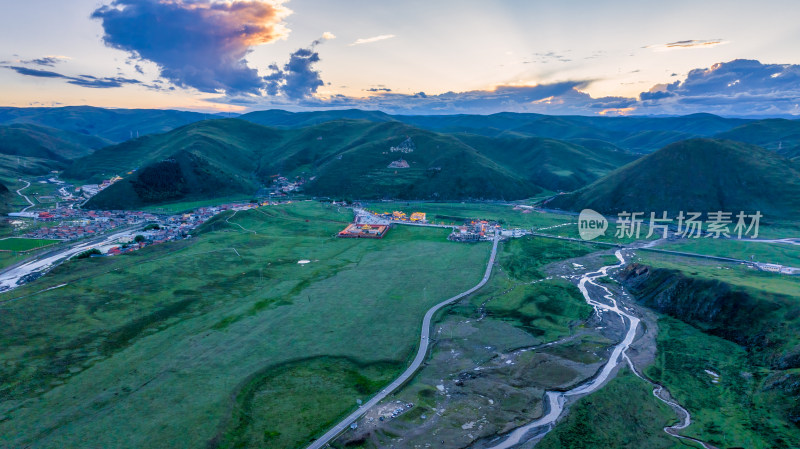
(591, 224)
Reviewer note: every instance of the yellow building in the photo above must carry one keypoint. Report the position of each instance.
(418, 216)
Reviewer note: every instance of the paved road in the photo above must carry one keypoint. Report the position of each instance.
(12, 277)
(649, 247)
(19, 192)
(423, 350)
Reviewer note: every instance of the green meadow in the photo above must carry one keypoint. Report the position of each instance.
(209, 329)
(457, 213)
(778, 253)
(22, 244)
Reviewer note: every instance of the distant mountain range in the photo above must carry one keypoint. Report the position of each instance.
(341, 158)
(114, 125)
(347, 153)
(696, 175)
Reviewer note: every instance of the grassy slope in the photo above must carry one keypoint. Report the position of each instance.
(552, 164)
(131, 340)
(696, 175)
(623, 414)
(347, 158)
(770, 133)
(441, 167)
(545, 309)
(6, 197)
(46, 143)
(738, 323)
(744, 409)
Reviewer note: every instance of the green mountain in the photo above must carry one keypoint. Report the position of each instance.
(346, 158)
(42, 142)
(697, 175)
(5, 208)
(352, 158)
(278, 118)
(552, 164)
(208, 159)
(35, 150)
(772, 134)
(115, 125)
(637, 134)
(5, 194)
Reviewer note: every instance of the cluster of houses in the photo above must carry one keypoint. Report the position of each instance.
(281, 185)
(474, 231)
(90, 190)
(415, 217)
(75, 223)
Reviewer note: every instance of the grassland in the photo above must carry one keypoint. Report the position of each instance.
(486, 330)
(260, 420)
(186, 206)
(457, 213)
(733, 274)
(16, 244)
(169, 345)
(779, 253)
(735, 411)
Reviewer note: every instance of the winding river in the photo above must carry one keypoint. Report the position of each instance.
(556, 400)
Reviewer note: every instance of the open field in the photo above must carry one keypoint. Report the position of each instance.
(206, 330)
(457, 213)
(8, 258)
(734, 274)
(17, 244)
(478, 380)
(779, 253)
(185, 206)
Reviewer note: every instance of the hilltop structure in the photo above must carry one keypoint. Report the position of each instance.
(400, 163)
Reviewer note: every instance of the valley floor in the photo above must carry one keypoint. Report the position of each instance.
(224, 340)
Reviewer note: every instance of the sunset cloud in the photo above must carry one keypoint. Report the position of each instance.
(738, 87)
(691, 43)
(199, 44)
(369, 40)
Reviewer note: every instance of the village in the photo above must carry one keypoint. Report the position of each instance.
(147, 228)
(375, 225)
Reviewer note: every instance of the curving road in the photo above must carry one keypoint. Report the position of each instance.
(424, 341)
(19, 192)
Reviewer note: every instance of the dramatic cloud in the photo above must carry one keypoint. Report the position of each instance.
(369, 40)
(80, 80)
(196, 43)
(297, 79)
(556, 98)
(739, 87)
(692, 43)
(735, 88)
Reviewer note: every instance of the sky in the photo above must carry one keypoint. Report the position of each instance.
(615, 57)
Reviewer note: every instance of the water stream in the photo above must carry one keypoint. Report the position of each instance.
(556, 400)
